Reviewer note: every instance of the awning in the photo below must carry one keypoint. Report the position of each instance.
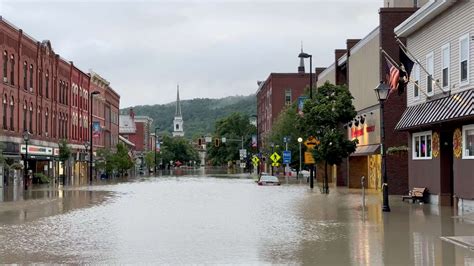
(126, 141)
(455, 106)
(364, 150)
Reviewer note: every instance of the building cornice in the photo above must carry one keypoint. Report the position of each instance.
(422, 16)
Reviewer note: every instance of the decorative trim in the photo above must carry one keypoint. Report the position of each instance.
(435, 145)
(457, 143)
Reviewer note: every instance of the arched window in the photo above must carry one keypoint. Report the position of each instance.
(5, 104)
(25, 75)
(25, 116)
(40, 82)
(12, 113)
(31, 118)
(12, 70)
(46, 118)
(47, 84)
(60, 91)
(5, 66)
(66, 128)
(39, 121)
(31, 76)
(67, 95)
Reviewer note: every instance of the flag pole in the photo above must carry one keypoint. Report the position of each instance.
(407, 52)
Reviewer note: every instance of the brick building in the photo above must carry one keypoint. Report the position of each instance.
(48, 96)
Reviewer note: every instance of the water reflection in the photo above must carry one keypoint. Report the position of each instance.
(203, 220)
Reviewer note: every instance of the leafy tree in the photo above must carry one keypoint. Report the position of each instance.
(105, 161)
(323, 116)
(121, 159)
(177, 149)
(64, 155)
(150, 159)
(234, 128)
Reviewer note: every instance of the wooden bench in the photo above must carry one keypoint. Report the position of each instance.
(416, 194)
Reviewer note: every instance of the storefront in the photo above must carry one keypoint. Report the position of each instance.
(41, 159)
(442, 148)
(366, 160)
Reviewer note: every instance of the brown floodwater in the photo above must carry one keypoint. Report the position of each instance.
(204, 220)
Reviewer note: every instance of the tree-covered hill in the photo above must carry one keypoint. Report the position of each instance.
(199, 114)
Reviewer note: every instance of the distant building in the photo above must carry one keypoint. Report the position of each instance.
(275, 93)
(178, 130)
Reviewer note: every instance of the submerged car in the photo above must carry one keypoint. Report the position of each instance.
(268, 180)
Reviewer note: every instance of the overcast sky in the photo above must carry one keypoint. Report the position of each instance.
(211, 48)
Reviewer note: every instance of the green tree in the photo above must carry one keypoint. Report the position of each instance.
(121, 160)
(177, 149)
(105, 161)
(323, 118)
(64, 155)
(235, 128)
(150, 159)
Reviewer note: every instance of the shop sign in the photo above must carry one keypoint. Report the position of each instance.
(368, 132)
(56, 151)
(36, 150)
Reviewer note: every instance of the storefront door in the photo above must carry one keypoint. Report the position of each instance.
(446, 171)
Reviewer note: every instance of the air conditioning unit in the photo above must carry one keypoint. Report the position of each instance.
(5, 79)
(31, 89)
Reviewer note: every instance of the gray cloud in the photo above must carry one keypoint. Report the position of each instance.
(212, 48)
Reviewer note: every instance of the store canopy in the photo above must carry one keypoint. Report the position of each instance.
(453, 107)
(364, 150)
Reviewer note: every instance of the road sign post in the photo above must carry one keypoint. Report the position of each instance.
(310, 143)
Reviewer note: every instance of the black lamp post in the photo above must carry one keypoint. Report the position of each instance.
(91, 154)
(305, 55)
(26, 138)
(382, 91)
(86, 147)
(156, 141)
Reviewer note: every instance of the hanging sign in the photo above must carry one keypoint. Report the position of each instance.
(95, 129)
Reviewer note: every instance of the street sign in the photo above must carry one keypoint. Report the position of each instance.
(275, 157)
(311, 142)
(286, 157)
(242, 165)
(224, 140)
(243, 153)
(286, 139)
(308, 158)
(275, 164)
(255, 160)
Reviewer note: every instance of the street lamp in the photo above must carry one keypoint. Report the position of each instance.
(26, 138)
(91, 154)
(156, 141)
(382, 91)
(305, 55)
(300, 139)
(272, 145)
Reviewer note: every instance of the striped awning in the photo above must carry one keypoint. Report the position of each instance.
(455, 106)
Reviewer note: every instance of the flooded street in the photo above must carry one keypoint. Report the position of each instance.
(226, 220)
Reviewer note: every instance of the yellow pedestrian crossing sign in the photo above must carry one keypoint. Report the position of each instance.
(275, 157)
(255, 160)
(275, 164)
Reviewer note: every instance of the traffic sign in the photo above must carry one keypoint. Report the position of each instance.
(243, 153)
(275, 157)
(286, 157)
(311, 142)
(242, 165)
(275, 164)
(255, 160)
(308, 158)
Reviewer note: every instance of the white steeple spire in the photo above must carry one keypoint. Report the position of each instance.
(178, 130)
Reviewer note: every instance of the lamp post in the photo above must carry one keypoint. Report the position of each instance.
(156, 142)
(26, 138)
(382, 91)
(91, 154)
(272, 145)
(86, 147)
(300, 139)
(305, 55)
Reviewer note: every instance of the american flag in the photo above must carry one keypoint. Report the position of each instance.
(392, 75)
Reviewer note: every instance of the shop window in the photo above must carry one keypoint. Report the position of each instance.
(464, 59)
(468, 142)
(421, 145)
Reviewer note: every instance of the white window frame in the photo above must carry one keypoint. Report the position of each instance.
(428, 66)
(446, 47)
(464, 129)
(419, 134)
(416, 77)
(461, 39)
(288, 90)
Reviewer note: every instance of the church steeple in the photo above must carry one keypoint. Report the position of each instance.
(301, 67)
(178, 104)
(178, 130)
